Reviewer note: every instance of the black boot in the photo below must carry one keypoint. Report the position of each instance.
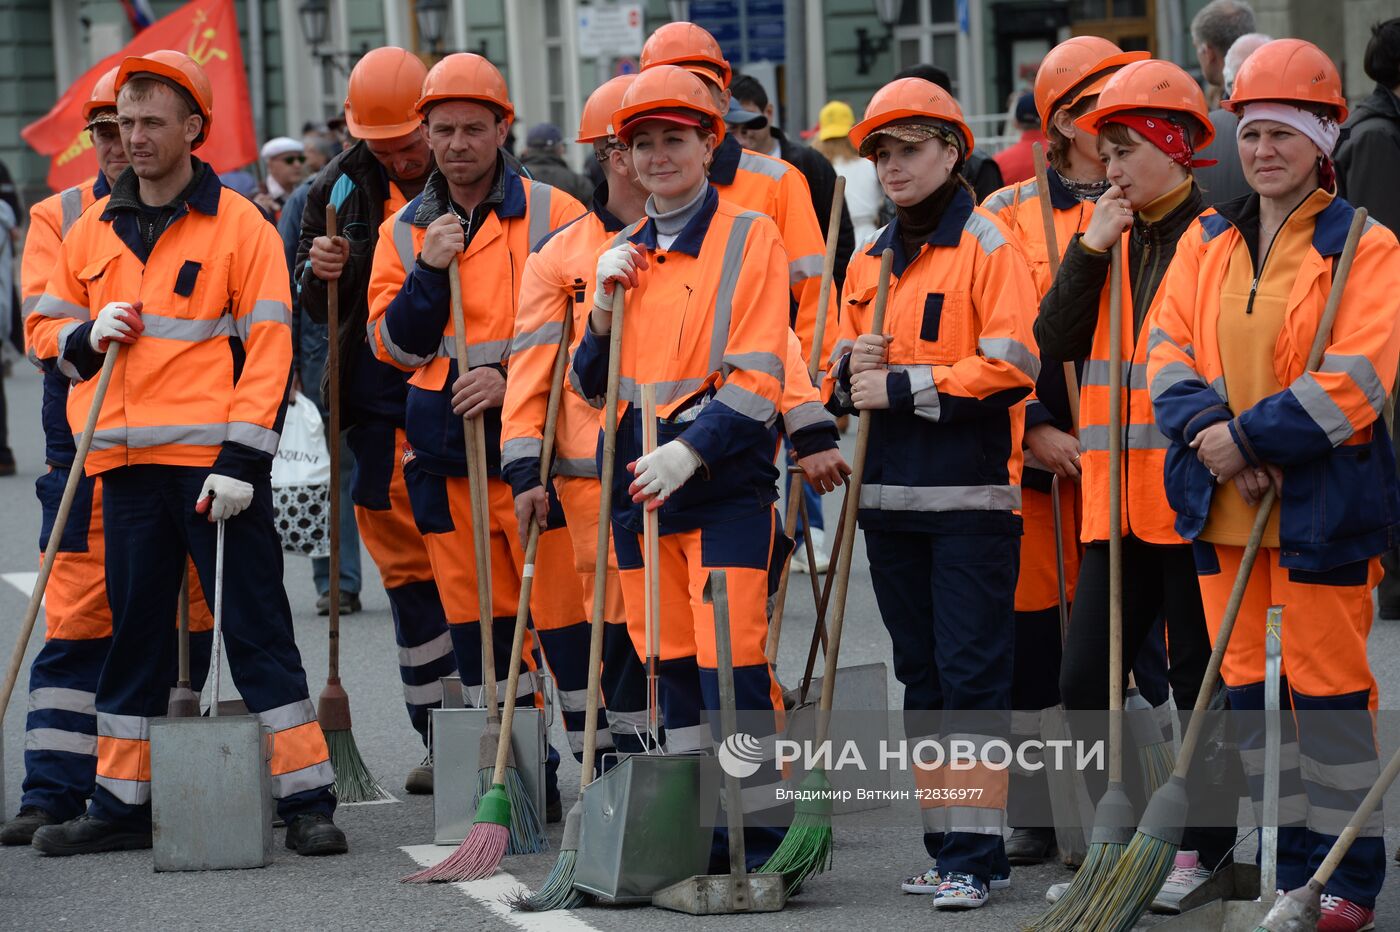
(313, 834)
(86, 835)
(20, 830)
(1030, 845)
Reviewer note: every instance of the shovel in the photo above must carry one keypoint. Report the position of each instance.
(183, 702)
(738, 891)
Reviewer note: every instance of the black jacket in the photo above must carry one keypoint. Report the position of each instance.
(358, 185)
(1069, 312)
(1367, 154)
(821, 179)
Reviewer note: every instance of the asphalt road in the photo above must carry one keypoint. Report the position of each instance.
(874, 849)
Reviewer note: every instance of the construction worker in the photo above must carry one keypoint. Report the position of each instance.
(1232, 327)
(474, 210)
(707, 298)
(380, 173)
(1066, 85)
(1148, 121)
(770, 186)
(557, 275)
(190, 280)
(60, 754)
(941, 493)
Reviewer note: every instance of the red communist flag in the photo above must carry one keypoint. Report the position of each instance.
(205, 30)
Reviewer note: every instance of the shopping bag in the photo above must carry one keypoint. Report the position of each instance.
(301, 480)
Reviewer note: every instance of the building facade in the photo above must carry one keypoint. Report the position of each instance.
(554, 52)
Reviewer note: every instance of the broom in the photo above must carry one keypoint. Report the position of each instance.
(1052, 251)
(806, 848)
(833, 231)
(60, 521)
(353, 781)
(1301, 909)
(1155, 754)
(1115, 811)
(558, 890)
(491, 836)
(1148, 860)
(183, 702)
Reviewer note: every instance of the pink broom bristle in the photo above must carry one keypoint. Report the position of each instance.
(476, 857)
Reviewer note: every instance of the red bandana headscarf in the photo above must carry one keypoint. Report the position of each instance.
(1166, 135)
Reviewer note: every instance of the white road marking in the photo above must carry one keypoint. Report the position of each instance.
(372, 802)
(24, 582)
(489, 892)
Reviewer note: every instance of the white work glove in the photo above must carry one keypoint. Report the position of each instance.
(662, 471)
(619, 264)
(118, 321)
(231, 496)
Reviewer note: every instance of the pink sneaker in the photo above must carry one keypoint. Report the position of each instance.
(1339, 915)
(1187, 874)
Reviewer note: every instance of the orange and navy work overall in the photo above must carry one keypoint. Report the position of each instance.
(941, 491)
(556, 285)
(1231, 331)
(708, 325)
(202, 390)
(410, 327)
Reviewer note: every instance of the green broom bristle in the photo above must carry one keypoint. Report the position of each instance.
(526, 835)
(806, 848)
(558, 890)
(353, 781)
(1157, 761)
(1134, 884)
(1065, 914)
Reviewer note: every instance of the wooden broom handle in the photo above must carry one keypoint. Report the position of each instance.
(1115, 512)
(1052, 252)
(333, 447)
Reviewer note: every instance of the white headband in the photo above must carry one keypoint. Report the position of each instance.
(1322, 131)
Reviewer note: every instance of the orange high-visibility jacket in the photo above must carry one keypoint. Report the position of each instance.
(946, 455)
(1339, 503)
(206, 383)
(708, 325)
(557, 282)
(773, 187)
(410, 319)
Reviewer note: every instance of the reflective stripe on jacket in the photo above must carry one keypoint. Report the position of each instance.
(947, 453)
(206, 383)
(1340, 502)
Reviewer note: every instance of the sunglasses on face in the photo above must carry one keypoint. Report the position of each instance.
(293, 159)
(757, 123)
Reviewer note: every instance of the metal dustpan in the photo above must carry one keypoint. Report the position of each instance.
(455, 733)
(738, 891)
(211, 771)
(861, 689)
(1238, 897)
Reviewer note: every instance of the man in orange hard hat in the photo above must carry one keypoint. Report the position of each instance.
(366, 183)
(60, 757)
(191, 280)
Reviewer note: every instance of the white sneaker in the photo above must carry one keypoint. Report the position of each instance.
(1187, 874)
(960, 891)
(1056, 891)
(929, 881)
(799, 557)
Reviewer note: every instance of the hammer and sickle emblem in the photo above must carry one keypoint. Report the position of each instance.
(201, 42)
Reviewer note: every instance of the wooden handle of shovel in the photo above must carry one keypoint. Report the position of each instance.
(65, 505)
(1266, 505)
(600, 559)
(474, 434)
(532, 543)
(848, 519)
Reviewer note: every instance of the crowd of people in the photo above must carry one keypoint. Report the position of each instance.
(989, 388)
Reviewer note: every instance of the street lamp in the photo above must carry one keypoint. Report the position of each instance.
(432, 23)
(868, 49)
(680, 10)
(315, 16)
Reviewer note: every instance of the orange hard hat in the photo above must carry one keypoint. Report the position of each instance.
(670, 93)
(1289, 71)
(911, 100)
(1073, 70)
(381, 101)
(598, 110)
(466, 76)
(178, 69)
(104, 95)
(689, 46)
(1151, 85)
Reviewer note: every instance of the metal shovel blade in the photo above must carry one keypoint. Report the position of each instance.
(724, 894)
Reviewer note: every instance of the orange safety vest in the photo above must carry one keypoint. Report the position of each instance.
(212, 366)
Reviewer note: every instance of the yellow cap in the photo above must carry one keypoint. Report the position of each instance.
(835, 120)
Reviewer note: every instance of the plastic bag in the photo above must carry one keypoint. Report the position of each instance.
(301, 479)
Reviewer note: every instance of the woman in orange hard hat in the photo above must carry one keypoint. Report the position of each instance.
(1232, 329)
(1149, 120)
(706, 322)
(941, 497)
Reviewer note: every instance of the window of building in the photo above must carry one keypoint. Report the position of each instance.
(927, 33)
(555, 63)
(1129, 24)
